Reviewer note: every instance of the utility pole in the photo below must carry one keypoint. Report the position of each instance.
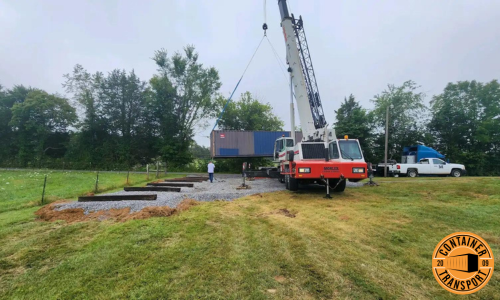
(386, 139)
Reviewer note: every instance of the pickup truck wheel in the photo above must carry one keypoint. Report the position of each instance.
(412, 173)
(456, 173)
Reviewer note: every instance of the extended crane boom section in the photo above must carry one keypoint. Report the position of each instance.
(310, 77)
(304, 81)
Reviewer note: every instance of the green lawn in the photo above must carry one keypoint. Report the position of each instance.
(367, 243)
(21, 189)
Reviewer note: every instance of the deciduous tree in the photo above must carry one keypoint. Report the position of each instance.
(407, 118)
(466, 123)
(36, 119)
(354, 121)
(248, 114)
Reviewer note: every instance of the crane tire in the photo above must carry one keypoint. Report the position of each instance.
(293, 184)
(338, 188)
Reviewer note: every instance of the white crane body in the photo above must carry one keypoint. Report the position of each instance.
(320, 157)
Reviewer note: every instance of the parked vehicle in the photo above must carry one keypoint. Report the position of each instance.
(428, 166)
(413, 154)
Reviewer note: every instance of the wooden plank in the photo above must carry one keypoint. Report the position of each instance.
(176, 184)
(186, 179)
(151, 188)
(116, 198)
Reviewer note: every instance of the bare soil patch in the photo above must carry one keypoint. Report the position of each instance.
(72, 215)
(286, 213)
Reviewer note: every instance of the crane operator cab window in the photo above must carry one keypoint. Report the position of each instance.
(277, 148)
(334, 150)
(350, 149)
(281, 144)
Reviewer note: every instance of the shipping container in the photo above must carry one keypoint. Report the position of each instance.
(238, 143)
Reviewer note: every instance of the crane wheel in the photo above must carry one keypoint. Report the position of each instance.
(293, 184)
(336, 186)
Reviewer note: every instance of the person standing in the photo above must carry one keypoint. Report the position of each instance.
(211, 169)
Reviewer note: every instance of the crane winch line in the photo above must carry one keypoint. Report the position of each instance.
(236, 87)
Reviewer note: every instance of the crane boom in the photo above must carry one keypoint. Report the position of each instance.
(311, 114)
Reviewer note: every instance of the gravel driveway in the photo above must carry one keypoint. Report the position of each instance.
(223, 188)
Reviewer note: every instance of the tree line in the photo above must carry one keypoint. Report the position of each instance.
(118, 121)
(462, 122)
(113, 120)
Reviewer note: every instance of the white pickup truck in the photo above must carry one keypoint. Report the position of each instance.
(427, 166)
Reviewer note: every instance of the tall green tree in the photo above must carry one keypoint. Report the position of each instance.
(193, 103)
(8, 98)
(87, 148)
(466, 123)
(353, 120)
(123, 104)
(407, 118)
(36, 119)
(248, 114)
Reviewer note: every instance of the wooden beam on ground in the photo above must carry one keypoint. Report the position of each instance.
(176, 184)
(151, 188)
(187, 179)
(116, 198)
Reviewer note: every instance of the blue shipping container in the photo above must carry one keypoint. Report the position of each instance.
(239, 143)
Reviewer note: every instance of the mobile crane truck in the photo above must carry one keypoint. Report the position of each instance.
(320, 157)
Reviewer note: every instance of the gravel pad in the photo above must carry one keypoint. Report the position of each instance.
(223, 188)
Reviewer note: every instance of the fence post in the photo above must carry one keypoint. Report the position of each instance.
(165, 168)
(128, 173)
(43, 192)
(157, 165)
(96, 183)
(147, 170)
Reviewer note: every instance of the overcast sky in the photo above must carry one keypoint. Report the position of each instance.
(357, 47)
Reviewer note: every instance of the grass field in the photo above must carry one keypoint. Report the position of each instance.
(368, 243)
(21, 189)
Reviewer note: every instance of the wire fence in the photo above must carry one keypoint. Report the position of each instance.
(26, 187)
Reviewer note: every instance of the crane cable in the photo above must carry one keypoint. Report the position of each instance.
(280, 63)
(236, 87)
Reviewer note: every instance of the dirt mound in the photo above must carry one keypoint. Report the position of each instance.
(286, 213)
(186, 204)
(72, 215)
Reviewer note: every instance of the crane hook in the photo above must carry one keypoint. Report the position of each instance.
(264, 26)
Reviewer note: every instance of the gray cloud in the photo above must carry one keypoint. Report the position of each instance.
(357, 46)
